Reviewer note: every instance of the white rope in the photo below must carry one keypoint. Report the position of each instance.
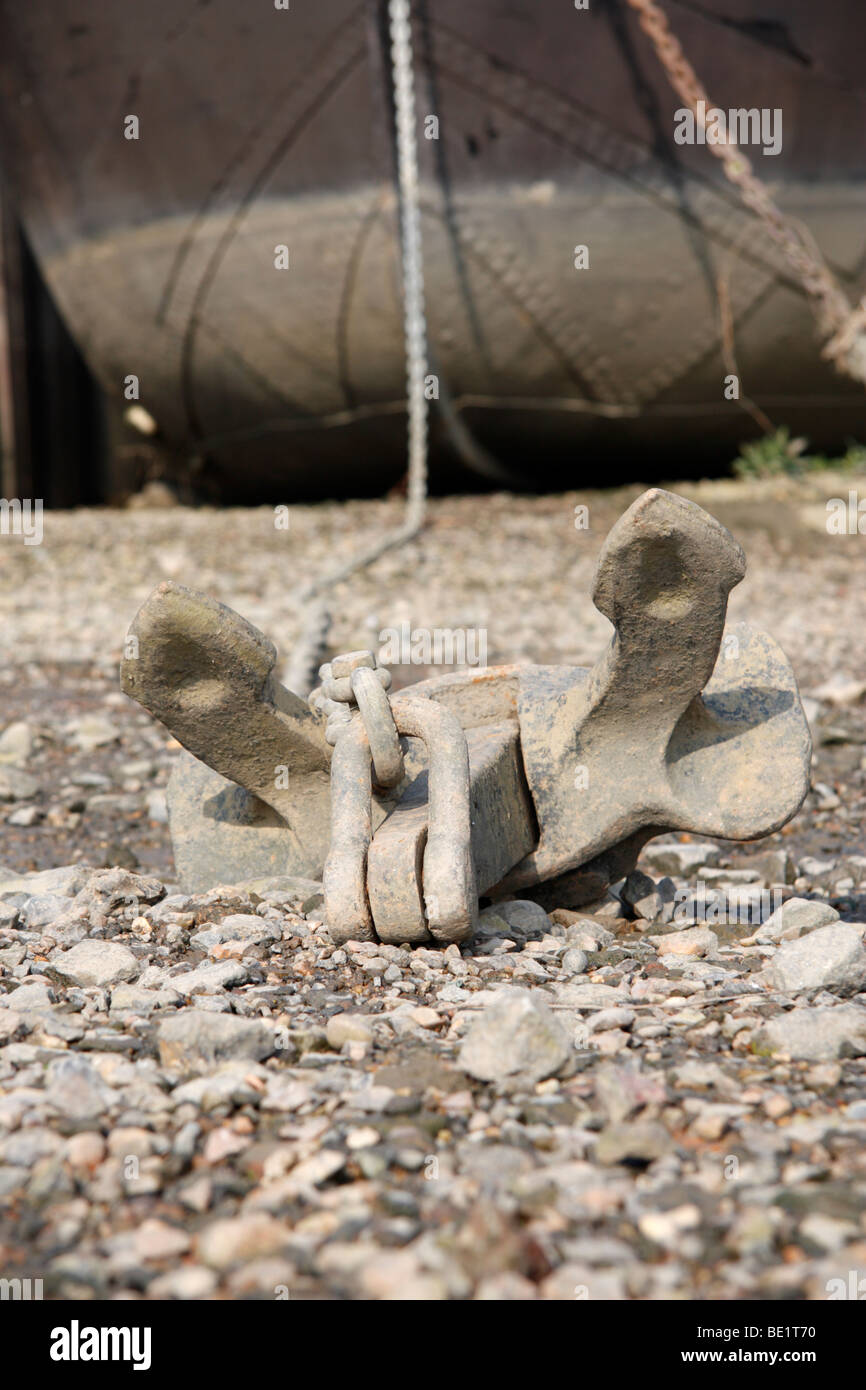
(413, 266)
(311, 599)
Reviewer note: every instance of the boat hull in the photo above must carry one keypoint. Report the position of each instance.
(262, 130)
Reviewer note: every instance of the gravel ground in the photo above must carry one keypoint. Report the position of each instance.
(202, 1097)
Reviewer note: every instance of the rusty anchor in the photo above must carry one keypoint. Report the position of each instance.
(540, 780)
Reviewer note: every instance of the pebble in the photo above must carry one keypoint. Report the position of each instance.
(75, 1088)
(85, 1150)
(156, 1241)
(522, 916)
(517, 1040)
(611, 1018)
(425, 1017)
(816, 1035)
(690, 941)
(239, 926)
(667, 1227)
(343, 1028)
(574, 961)
(194, 1040)
(227, 1242)
(32, 994)
(16, 743)
(640, 893)
(209, 979)
(636, 1143)
(831, 958)
(133, 999)
(91, 731)
(65, 881)
(187, 1282)
(16, 784)
(98, 963)
(673, 857)
(795, 918)
(826, 1232)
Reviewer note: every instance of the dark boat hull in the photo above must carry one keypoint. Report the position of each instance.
(261, 128)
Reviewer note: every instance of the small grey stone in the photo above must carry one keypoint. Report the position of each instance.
(691, 941)
(187, 1282)
(574, 961)
(523, 917)
(589, 935)
(669, 857)
(831, 957)
(639, 1143)
(827, 1232)
(610, 1018)
(608, 908)
(115, 886)
(135, 1000)
(348, 1028)
(517, 1040)
(16, 785)
(245, 1237)
(493, 1165)
(773, 866)
(16, 743)
(288, 890)
(240, 926)
(196, 1040)
(795, 918)
(28, 1146)
(32, 994)
(96, 963)
(576, 995)
(840, 689)
(210, 979)
(64, 881)
(12, 1025)
(76, 1089)
(230, 1084)
(810, 867)
(816, 1035)
(640, 892)
(42, 909)
(212, 1003)
(91, 731)
(156, 807)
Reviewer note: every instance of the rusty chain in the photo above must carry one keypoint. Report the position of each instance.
(843, 327)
